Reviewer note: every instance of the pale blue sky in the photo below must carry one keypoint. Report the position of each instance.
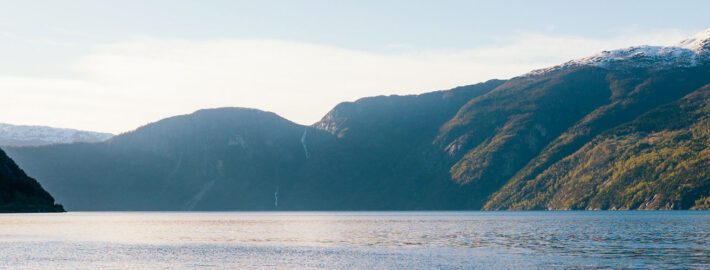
(67, 56)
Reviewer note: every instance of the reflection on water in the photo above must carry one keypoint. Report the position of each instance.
(481, 240)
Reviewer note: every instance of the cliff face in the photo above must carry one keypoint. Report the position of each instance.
(20, 193)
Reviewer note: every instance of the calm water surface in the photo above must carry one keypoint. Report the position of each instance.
(357, 240)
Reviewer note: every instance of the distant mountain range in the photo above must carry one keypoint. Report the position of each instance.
(16, 135)
(624, 129)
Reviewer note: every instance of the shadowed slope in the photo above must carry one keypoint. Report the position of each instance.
(20, 193)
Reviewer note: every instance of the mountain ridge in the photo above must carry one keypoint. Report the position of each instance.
(23, 135)
(513, 144)
(689, 52)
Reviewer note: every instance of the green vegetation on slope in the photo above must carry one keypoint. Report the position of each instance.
(658, 161)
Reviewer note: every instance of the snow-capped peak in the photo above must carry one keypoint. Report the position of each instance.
(689, 52)
(699, 43)
(14, 135)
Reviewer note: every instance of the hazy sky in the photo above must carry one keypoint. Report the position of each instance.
(116, 65)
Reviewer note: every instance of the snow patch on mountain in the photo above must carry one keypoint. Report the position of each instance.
(689, 52)
(700, 43)
(18, 135)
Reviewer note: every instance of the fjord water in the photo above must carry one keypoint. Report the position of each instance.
(366, 240)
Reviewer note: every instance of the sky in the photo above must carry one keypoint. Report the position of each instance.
(113, 66)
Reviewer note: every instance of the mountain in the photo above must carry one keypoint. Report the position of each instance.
(660, 160)
(14, 135)
(623, 129)
(232, 159)
(219, 159)
(383, 157)
(518, 132)
(20, 193)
